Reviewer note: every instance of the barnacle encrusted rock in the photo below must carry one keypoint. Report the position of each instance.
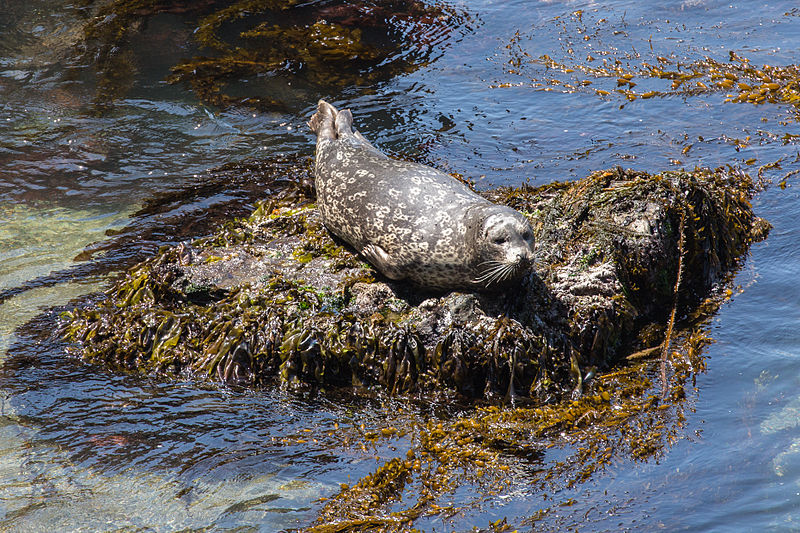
(274, 298)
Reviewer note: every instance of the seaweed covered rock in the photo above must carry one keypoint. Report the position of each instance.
(274, 298)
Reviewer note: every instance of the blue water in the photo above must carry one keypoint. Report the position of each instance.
(82, 448)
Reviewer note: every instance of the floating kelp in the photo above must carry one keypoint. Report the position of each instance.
(318, 44)
(618, 417)
(274, 298)
(738, 79)
(588, 62)
(322, 45)
(494, 451)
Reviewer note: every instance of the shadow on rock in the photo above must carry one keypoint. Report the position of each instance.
(272, 298)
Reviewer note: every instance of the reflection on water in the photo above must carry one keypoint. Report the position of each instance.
(17, 310)
(35, 242)
(146, 455)
(81, 447)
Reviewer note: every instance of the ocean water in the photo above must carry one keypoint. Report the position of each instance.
(493, 90)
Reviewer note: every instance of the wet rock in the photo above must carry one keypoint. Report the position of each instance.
(274, 299)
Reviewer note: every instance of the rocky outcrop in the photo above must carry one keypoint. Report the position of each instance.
(274, 299)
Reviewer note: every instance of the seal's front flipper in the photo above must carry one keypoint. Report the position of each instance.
(380, 259)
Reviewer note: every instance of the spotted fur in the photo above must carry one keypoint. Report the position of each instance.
(411, 221)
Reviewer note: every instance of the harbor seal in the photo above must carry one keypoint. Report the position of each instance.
(410, 221)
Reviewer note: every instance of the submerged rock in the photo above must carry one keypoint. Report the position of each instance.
(274, 299)
(248, 49)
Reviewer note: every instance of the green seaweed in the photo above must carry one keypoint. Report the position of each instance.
(335, 324)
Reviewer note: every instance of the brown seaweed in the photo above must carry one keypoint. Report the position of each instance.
(569, 360)
(308, 45)
(608, 261)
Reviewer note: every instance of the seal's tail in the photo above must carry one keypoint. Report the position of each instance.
(328, 123)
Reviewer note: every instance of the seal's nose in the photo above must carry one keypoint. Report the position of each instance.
(525, 259)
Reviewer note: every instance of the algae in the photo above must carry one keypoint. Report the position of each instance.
(569, 360)
(606, 272)
(314, 45)
(588, 61)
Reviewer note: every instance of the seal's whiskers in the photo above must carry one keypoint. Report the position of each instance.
(496, 272)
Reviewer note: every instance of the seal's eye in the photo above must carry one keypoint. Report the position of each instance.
(527, 236)
(500, 239)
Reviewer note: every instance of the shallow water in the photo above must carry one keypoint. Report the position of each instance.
(82, 448)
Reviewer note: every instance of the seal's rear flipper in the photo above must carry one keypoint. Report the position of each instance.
(323, 122)
(330, 124)
(344, 123)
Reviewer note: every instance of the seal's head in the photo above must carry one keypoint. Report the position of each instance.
(502, 246)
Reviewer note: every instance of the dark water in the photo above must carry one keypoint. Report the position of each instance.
(85, 449)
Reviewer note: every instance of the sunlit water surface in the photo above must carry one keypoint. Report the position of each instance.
(84, 449)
